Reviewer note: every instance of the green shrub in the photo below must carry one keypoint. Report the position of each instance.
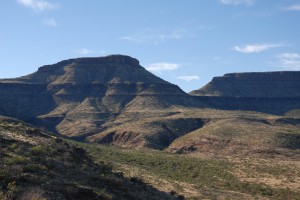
(13, 146)
(14, 160)
(36, 150)
(34, 168)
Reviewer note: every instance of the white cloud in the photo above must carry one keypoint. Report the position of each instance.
(155, 36)
(37, 5)
(256, 48)
(188, 78)
(161, 67)
(237, 2)
(293, 7)
(289, 61)
(84, 51)
(289, 56)
(49, 22)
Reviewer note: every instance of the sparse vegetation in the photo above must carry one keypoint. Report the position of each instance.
(40, 167)
(216, 174)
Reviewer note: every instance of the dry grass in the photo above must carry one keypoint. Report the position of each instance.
(277, 173)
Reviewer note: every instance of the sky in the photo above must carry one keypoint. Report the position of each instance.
(186, 42)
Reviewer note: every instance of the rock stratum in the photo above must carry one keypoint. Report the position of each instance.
(114, 100)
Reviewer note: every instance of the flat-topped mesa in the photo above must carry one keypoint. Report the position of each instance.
(77, 97)
(101, 70)
(100, 61)
(256, 84)
(263, 76)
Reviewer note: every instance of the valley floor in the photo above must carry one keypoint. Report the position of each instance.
(205, 178)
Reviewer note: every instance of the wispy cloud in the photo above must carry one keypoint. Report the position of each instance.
(295, 7)
(49, 22)
(289, 61)
(37, 5)
(256, 48)
(188, 78)
(162, 67)
(84, 51)
(155, 36)
(238, 2)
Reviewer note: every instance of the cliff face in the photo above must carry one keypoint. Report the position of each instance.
(265, 84)
(76, 97)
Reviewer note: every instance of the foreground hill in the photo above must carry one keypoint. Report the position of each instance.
(34, 165)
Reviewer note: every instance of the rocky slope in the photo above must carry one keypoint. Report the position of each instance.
(35, 165)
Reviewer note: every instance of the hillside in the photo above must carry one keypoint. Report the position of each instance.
(47, 167)
(204, 177)
(208, 132)
(269, 137)
(34, 165)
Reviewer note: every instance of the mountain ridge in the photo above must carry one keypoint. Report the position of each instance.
(115, 100)
(76, 97)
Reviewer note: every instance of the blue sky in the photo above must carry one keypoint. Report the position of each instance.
(184, 42)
